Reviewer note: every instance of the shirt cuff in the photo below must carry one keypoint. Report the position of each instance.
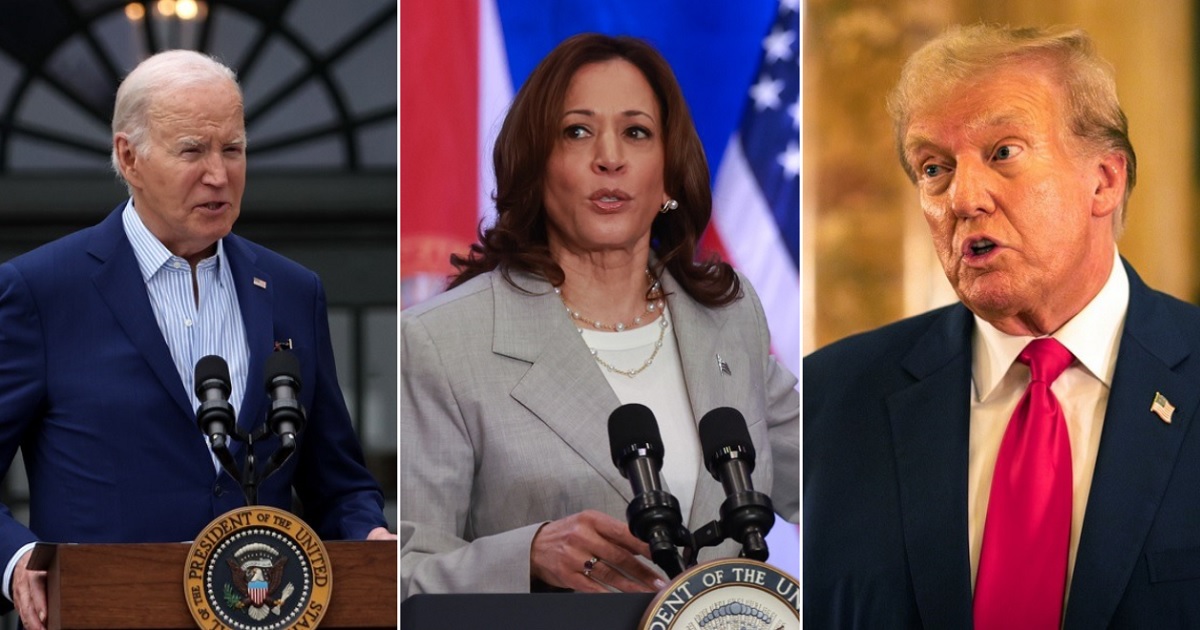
(12, 565)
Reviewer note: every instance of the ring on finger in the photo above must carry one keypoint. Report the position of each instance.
(590, 564)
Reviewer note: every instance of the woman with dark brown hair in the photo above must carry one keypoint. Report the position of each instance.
(585, 295)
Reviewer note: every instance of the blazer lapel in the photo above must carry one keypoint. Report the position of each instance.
(119, 282)
(1137, 453)
(930, 428)
(255, 293)
(562, 387)
(699, 333)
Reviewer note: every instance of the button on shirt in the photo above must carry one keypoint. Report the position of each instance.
(998, 382)
(192, 330)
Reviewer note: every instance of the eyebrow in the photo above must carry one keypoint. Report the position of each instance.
(198, 142)
(982, 122)
(629, 113)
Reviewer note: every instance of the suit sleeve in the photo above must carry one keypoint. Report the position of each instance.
(437, 464)
(783, 421)
(22, 390)
(341, 498)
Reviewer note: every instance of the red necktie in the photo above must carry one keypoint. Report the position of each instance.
(1026, 537)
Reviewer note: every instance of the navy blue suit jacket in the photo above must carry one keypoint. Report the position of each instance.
(886, 417)
(107, 429)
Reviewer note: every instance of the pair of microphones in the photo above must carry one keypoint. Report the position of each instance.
(654, 516)
(215, 416)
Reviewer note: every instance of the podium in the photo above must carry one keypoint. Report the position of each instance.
(140, 586)
(528, 611)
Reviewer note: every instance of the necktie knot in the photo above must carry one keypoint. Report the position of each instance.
(1047, 359)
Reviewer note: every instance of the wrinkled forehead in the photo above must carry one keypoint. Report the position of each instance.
(178, 108)
(1010, 96)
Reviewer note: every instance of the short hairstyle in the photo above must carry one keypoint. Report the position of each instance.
(964, 52)
(518, 240)
(164, 71)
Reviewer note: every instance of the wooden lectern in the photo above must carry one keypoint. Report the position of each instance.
(140, 586)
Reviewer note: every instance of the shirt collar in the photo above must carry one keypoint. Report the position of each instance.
(1091, 335)
(151, 254)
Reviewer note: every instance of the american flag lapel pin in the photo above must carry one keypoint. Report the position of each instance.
(723, 366)
(1162, 407)
(260, 283)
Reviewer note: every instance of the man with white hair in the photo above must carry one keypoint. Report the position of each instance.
(100, 332)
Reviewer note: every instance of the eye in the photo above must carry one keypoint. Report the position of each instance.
(931, 170)
(576, 132)
(234, 150)
(638, 133)
(1006, 152)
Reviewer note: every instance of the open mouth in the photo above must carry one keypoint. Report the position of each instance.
(981, 247)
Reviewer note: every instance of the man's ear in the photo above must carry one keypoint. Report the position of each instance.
(127, 159)
(1110, 184)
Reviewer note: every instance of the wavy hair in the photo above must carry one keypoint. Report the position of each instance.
(519, 241)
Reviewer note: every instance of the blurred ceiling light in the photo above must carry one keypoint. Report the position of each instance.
(135, 11)
(186, 9)
(166, 8)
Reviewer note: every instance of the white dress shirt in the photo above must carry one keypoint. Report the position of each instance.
(999, 381)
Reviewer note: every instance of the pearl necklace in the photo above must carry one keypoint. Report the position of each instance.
(654, 307)
(662, 333)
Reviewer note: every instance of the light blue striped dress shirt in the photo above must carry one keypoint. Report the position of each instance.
(191, 331)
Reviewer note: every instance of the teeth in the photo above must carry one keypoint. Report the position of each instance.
(609, 199)
(982, 246)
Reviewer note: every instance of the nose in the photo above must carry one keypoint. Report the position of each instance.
(609, 157)
(215, 173)
(971, 189)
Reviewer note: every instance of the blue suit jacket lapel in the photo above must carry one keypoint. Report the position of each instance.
(256, 303)
(119, 282)
(1137, 453)
(930, 427)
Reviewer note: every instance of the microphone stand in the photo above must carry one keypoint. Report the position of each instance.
(248, 478)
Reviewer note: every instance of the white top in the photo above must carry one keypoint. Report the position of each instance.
(998, 383)
(661, 388)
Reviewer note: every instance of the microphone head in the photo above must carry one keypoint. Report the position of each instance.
(282, 364)
(633, 431)
(724, 437)
(210, 368)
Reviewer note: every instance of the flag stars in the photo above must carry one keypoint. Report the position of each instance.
(766, 93)
(793, 110)
(778, 45)
(790, 160)
(789, 5)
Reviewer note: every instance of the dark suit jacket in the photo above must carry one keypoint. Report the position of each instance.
(886, 417)
(107, 429)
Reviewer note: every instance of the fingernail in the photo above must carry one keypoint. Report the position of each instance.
(659, 584)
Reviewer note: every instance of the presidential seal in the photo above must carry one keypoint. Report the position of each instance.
(735, 594)
(257, 568)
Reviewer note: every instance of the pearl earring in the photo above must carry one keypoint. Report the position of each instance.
(669, 205)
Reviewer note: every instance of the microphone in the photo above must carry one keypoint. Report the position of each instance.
(653, 515)
(214, 415)
(286, 416)
(746, 515)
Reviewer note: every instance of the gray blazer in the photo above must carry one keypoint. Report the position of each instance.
(504, 425)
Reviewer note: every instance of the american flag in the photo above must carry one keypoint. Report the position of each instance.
(738, 65)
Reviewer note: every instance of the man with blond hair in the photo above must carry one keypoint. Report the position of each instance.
(100, 332)
(1024, 458)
